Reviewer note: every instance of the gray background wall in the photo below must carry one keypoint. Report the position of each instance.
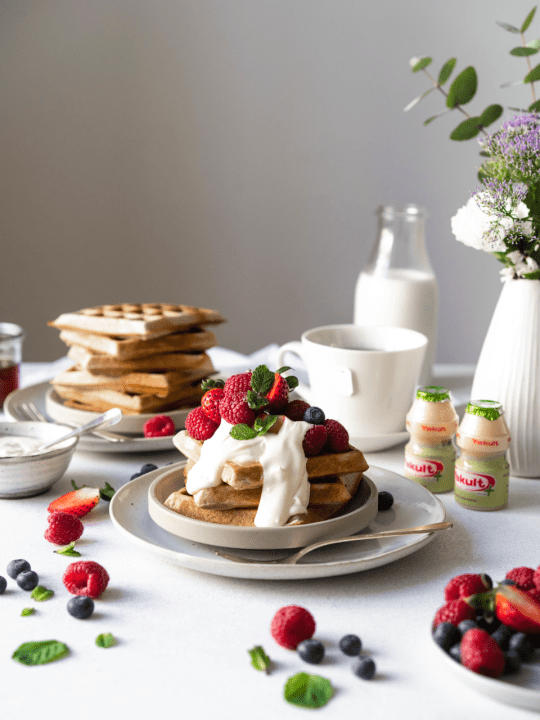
(231, 154)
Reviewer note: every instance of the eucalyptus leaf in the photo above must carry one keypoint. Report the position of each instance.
(510, 28)
(446, 70)
(421, 64)
(533, 76)
(535, 106)
(523, 51)
(463, 88)
(490, 114)
(528, 20)
(309, 691)
(40, 653)
(417, 100)
(438, 115)
(467, 129)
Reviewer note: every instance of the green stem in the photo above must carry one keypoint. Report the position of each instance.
(528, 59)
(458, 107)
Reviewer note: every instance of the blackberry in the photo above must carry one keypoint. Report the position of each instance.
(446, 635)
(81, 607)
(350, 645)
(522, 644)
(455, 652)
(465, 625)
(311, 651)
(386, 500)
(27, 580)
(512, 662)
(314, 416)
(3, 584)
(17, 566)
(364, 668)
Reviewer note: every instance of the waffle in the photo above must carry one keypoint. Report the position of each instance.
(139, 319)
(104, 364)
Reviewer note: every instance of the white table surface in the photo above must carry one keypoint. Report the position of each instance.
(183, 636)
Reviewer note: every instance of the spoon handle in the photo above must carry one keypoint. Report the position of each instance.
(111, 417)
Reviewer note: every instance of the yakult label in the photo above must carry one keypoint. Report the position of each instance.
(427, 469)
(475, 482)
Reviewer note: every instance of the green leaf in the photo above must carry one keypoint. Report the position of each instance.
(255, 401)
(533, 76)
(438, 115)
(40, 594)
(68, 550)
(283, 369)
(106, 493)
(510, 28)
(463, 88)
(417, 100)
(28, 611)
(467, 129)
(105, 640)
(259, 659)
(292, 381)
(523, 51)
(40, 653)
(242, 432)
(309, 691)
(532, 275)
(262, 426)
(74, 486)
(446, 70)
(210, 384)
(490, 114)
(535, 106)
(262, 379)
(533, 44)
(421, 64)
(528, 20)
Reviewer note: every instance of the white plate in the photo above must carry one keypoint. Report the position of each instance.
(89, 443)
(375, 443)
(414, 505)
(521, 689)
(359, 513)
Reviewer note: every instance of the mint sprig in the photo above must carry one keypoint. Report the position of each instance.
(309, 691)
(40, 653)
(105, 640)
(210, 384)
(68, 550)
(260, 427)
(255, 401)
(28, 611)
(41, 593)
(106, 493)
(262, 379)
(259, 659)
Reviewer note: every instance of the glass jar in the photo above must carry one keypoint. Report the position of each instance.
(11, 339)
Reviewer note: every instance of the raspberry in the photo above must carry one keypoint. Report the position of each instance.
(338, 437)
(210, 403)
(536, 577)
(238, 383)
(234, 409)
(278, 394)
(199, 426)
(534, 593)
(86, 578)
(63, 528)
(464, 585)
(314, 440)
(292, 624)
(158, 426)
(454, 611)
(523, 577)
(481, 654)
(295, 410)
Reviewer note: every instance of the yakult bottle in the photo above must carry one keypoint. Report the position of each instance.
(482, 472)
(430, 454)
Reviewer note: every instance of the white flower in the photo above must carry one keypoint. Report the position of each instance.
(521, 266)
(471, 226)
(522, 211)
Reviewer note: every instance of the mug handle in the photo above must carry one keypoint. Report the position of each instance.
(295, 347)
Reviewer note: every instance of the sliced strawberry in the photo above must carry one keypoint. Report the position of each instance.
(517, 609)
(210, 403)
(278, 395)
(78, 502)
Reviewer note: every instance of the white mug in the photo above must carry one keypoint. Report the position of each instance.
(365, 377)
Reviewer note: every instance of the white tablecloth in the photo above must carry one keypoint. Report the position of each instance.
(183, 636)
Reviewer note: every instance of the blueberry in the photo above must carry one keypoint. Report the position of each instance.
(135, 476)
(488, 622)
(314, 415)
(507, 581)
(350, 645)
(386, 500)
(147, 468)
(446, 635)
(17, 566)
(3, 584)
(81, 607)
(364, 668)
(522, 645)
(465, 625)
(312, 651)
(502, 635)
(455, 652)
(512, 662)
(27, 580)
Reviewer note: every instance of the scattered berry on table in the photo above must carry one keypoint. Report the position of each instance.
(210, 403)
(199, 426)
(27, 579)
(311, 651)
(314, 440)
(3, 584)
(63, 528)
(337, 440)
(159, 426)
(446, 635)
(467, 584)
(295, 410)
(17, 566)
(235, 410)
(86, 578)
(314, 416)
(238, 383)
(523, 577)
(149, 467)
(481, 654)
(80, 607)
(454, 611)
(77, 502)
(385, 501)
(292, 624)
(350, 645)
(364, 668)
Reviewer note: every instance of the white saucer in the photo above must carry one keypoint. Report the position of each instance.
(413, 505)
(375, 443)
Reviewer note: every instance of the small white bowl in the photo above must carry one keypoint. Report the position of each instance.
(28, 475)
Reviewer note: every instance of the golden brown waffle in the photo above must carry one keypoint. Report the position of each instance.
(139, 319)
(106, 365)
(130, 404)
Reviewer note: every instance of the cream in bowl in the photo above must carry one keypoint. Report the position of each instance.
(25, 470)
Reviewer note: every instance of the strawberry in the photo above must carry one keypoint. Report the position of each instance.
(210, 403)
(78, 502)
(314, 440)
(523, 577)
(464, 585)
(517, 609)
(278, 395)
(480, 653)
(454, 611)
(199, 426)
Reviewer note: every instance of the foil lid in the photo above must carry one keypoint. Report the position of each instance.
(489, 409)
(433, 393)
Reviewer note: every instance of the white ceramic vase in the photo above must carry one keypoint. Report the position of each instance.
(508, 370)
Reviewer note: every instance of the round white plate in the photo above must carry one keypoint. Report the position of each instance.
(414, 505)
(361, 510)
(90, 443)
(375, 443)
(521, 689)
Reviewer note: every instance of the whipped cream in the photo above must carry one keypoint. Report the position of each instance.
(285, 490)
(18, 445)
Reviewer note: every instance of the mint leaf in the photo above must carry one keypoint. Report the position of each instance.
(74, 486)
(105, 640)
(242, 432)
(68, 550)
(283, 369)
(107, 492)
(262, 379)
(259, 659)
(210, 384)
(255, 401)
(27, 611)
(40, 593)
(292, 382)
(262, 426)
(309, 691)
(40, 653)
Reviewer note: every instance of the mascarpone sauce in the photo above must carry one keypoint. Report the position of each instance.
(285, 490)
(18, 445)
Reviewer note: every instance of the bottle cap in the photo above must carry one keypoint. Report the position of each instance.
(433, 393)
(489, 409)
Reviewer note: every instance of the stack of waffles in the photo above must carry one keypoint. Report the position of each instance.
(334, 478)
(142, 358)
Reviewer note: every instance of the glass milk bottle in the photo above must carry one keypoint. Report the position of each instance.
(398, 285)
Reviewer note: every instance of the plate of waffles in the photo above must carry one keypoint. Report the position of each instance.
(413, 505)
